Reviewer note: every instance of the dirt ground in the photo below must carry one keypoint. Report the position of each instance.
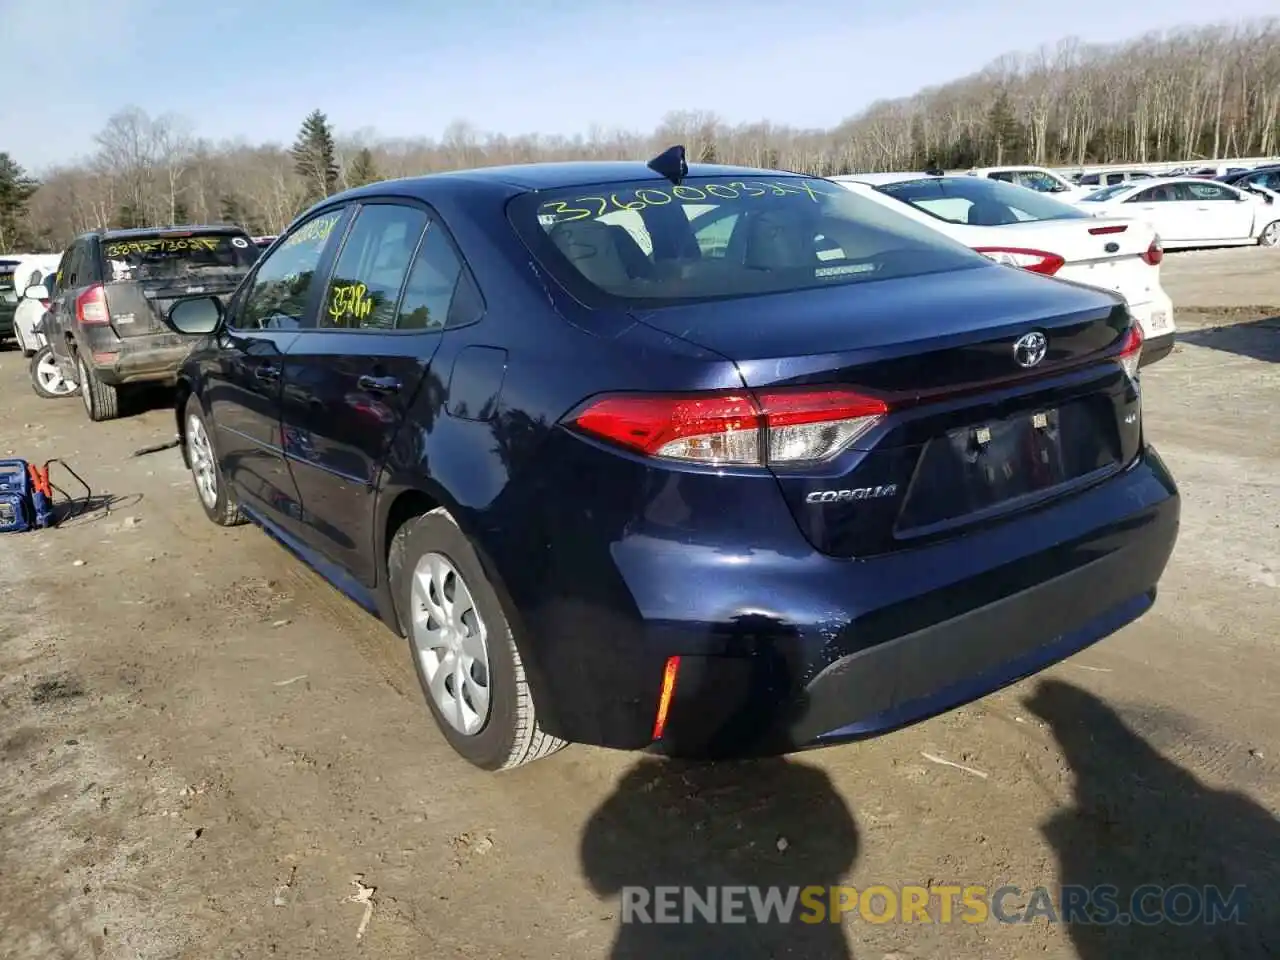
(203, 747)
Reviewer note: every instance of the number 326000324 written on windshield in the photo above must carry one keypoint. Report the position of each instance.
(580, 208)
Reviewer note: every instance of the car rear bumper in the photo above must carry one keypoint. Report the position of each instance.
(146, 359)
(800, 650)
(1156, 348)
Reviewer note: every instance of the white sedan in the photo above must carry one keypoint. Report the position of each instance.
(1023, 228)
(1191, 212)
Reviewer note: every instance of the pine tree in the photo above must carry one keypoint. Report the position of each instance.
(362, 170)
(1004, 131)
(16, 189)
(129, 216)
(313, 157)
(229, 210)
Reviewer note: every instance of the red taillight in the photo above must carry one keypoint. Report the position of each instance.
(1155, 253)
(669, 674)
(1131, 350)
(91, 307)
(45, 303)
(1104, 231)
(1037, 261)
(782, 426)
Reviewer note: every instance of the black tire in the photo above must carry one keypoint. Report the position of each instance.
(225, 510)
(101, 400)
(510, 736)
(41, 390)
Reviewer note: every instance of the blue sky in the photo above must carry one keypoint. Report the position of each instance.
(237, 68)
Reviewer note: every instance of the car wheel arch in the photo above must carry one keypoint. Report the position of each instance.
(400, 503)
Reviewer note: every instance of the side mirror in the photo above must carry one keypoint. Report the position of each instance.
(195, 315)
(37, 291)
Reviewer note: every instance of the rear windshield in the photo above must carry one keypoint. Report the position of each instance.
(6, 276)
(978, 201)
(650, 243)
(170, 256)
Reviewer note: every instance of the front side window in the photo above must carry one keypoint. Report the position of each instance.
(978, 202)
(1209, 191)
(277, 295)
(371, 269)
(651, 242)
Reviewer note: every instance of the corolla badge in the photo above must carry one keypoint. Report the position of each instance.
(856, 493)
(1030, 348)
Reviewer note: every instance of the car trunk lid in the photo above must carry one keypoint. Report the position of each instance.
(1002, 390)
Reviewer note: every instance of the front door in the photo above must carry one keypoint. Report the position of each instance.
(244, 382)
(351, 381)
(1224, 214)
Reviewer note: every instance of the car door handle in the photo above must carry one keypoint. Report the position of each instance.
(378, 384)
(267, 374)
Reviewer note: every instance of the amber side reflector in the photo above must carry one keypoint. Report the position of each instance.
(664, 700)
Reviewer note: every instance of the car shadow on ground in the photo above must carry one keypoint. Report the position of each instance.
(142, 398)
(757, 823)
(1259, 339)
(1139, 819)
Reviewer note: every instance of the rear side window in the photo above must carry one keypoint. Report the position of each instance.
(175, 256)
(650, 243)
(371, 269)
(441, 291)
(977, 201)
(7, 270)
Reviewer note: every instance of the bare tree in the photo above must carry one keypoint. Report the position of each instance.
(1179, 95)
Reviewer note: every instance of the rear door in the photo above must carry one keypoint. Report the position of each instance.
(349, 382)
(143, 274)
(243, 379)
(1160, 207)
(75, 273)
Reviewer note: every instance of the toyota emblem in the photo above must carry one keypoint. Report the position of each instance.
(1030, 348)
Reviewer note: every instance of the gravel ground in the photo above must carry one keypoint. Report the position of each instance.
(205, 751)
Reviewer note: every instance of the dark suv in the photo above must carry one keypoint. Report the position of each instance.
(114, 288)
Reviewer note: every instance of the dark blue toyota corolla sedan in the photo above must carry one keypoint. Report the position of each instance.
(697, 459)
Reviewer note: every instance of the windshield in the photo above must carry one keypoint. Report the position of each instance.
(173, 256)
(648, 242)
(1106, 193)
(977, 201)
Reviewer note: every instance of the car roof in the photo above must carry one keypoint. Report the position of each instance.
(127, 232)
(875, 178)
(1014, 167)
(521, 177)
(1146, 183)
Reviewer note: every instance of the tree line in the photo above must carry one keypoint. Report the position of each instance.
(1183, 94)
